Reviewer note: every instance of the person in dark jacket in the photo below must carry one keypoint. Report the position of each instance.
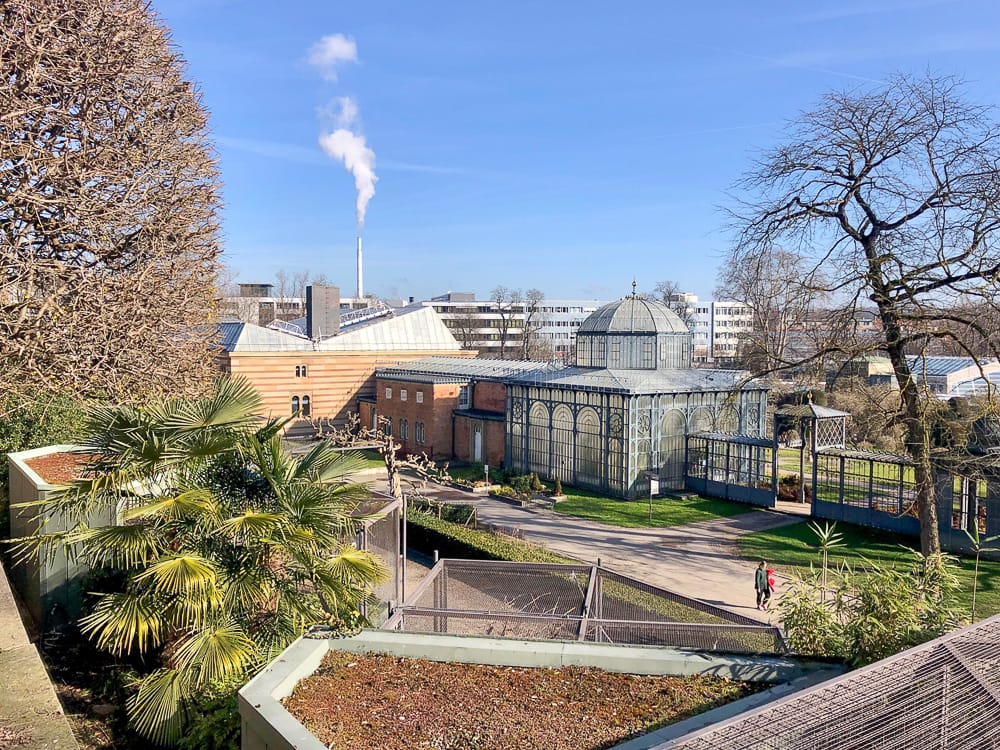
(761, 586)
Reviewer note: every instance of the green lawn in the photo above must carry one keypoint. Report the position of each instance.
(635, 513)
(373, 459)
(792, 548)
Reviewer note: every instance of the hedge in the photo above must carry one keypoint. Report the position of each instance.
(428, 533)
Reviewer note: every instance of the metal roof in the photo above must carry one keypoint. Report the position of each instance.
(633, 314)
(940, 366)
(885, 458)
(247, 337)
(977, 386)
(410, 330)
(810, 410)
(641, 381)
(493, 416)
(735, 438)
(942, 694)
(455, 369)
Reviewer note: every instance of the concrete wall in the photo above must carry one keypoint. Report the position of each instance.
(28, 702)
(50, 587)
(266, 725)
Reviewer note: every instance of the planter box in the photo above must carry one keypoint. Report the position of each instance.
(476, 490)
(267, 725)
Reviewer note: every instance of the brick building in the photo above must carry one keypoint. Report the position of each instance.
(327, 377)
(622, 412)
(447, 407)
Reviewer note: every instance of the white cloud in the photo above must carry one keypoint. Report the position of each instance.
(331, 51)
(352, 150)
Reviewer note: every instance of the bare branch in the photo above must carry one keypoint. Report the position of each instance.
(108, 224)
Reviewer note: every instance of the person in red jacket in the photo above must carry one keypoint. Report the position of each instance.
(760, 584)
(768, 588)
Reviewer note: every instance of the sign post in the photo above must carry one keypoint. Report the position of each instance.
(654, 489)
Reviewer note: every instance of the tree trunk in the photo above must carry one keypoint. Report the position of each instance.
(388, 451)
(918, 438)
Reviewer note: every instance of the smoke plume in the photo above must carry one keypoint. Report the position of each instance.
(351, 149)
(329, 52)
(344, 141)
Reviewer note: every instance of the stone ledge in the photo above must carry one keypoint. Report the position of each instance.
(28, 702)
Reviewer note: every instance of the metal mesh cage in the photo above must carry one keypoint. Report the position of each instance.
(380, 536)
(572, 602)
(944, 694)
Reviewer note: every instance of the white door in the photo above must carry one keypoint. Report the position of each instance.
(477, 445)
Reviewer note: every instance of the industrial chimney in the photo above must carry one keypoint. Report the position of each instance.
(361, 285)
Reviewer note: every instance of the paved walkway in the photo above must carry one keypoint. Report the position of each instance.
(698, 559)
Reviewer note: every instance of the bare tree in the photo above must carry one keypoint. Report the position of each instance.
(895, 194)
(779, 288)
(465, 328)
(108, 222)
(673, 296)
(508, 302)
(353, 434)
(532, 322)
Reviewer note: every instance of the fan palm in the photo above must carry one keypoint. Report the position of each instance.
(229, 545)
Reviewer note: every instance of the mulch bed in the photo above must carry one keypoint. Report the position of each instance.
(378, 702)
(88, 683)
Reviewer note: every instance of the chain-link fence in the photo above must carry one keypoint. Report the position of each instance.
(379, 533)
(943, 695)
(572, 602)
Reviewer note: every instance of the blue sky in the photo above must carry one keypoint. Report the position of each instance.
(564, 146)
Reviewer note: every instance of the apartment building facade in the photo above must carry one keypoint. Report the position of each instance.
(717, 327)
(497, 330)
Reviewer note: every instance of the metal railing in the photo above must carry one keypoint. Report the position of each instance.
(572, 602)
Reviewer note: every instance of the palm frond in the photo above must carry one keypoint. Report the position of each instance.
(190, 504)
(250, 526)
(247, 590)
(123, 623)
(155, 711)
(326, 465)
(272, 461)
(234, 404)
(128, 546)
(271, 428)
(195, 608)
(200, 444)
(354, 566)
(216, 653)
(180, 574)
(45, 546)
